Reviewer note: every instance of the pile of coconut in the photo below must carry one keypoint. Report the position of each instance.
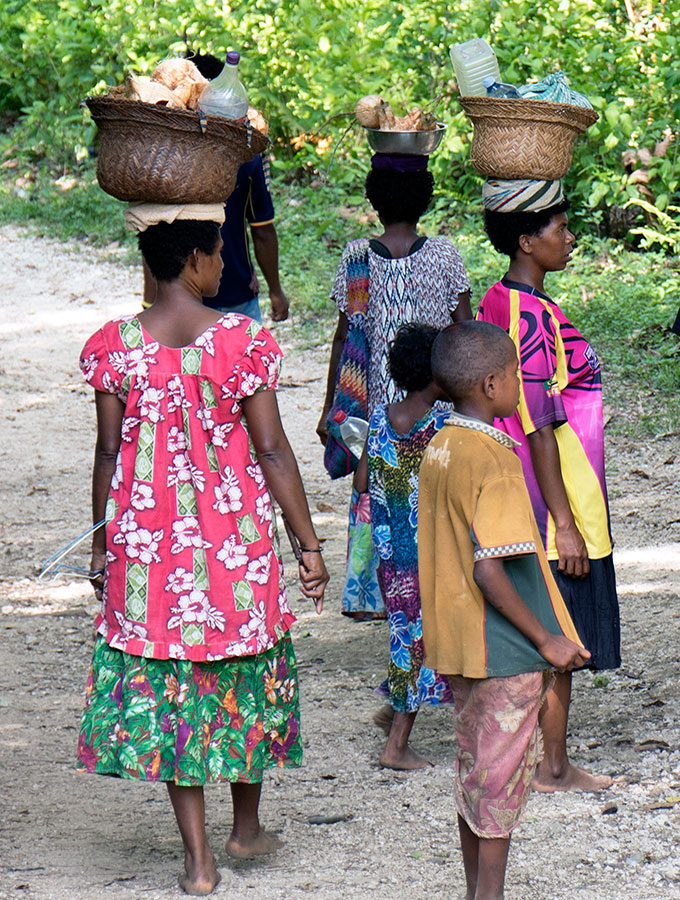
(374, 112)
(177, 84)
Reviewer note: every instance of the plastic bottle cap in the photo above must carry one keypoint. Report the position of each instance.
(488, 80)
(233, 58)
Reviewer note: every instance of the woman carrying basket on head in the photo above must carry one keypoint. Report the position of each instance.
(405, 277)
(193, 677)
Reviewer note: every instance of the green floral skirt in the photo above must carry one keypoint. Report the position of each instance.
(187, 722)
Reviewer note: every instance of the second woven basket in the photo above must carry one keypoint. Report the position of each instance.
(524, 138)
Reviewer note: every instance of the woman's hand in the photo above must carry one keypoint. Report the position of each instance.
(573, 553)
(313, 577)
(322, 427)
(98, 564)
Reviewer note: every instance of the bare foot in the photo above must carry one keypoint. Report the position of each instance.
(572, 779)
(259, 845)
(403, 760)
(199, 881)
(383, 718)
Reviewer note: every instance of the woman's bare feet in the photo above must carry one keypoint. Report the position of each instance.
(258, 845)
(404, 759)
(199, 880)
(383, 718)
(570, 779)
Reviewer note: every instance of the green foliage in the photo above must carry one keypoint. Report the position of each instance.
(307, 60)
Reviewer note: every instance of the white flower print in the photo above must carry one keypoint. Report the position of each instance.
(129, 422)
(263, 508)
(149, 405)
(510, 718)
(255, 627)
(142, 496)
(127, 522)
(220, 432)
(232, 554)
(117, 477)
(231, 320)
(176, 651)
(128, 630)
(177, 439)
(138, 359)
(194, 607)
(88, 366)
(110, 385)
(140, 543)
(118, 359)
(257, 475)
(179, 581)
(228, 494)
(179, 470)
(249, 384)
(205, 341)
(176, 396)
(258, 569)
(204, 416)
(186, 532)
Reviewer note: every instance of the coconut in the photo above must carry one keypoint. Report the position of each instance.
(366, 110)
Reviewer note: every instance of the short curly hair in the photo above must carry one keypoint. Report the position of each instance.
(504, 229)
(410, 356)
(466, 352)
(399, 196)
(167, 246)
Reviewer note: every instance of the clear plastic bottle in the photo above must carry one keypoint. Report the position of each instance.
(353, 432)
(472, 61)
(499, 89)
(225, 95)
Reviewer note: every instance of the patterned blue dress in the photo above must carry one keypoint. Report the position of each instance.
(393, 464)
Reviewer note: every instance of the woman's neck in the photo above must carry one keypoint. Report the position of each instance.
(399, 237)
(525, 271)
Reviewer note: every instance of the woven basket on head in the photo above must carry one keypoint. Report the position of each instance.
(524, 138)
(159, 155)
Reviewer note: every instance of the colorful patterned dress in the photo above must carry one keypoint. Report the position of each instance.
(193, 675)
(421, 287)
(393, 464)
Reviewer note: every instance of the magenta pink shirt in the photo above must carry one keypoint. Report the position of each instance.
(193, 566)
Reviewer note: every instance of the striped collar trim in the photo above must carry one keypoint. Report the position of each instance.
(462, 421)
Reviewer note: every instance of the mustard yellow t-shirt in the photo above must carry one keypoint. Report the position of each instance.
(473, 504)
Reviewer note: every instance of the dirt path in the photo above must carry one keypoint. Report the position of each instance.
(64, 835)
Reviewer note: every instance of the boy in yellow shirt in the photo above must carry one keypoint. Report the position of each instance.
(493, 618)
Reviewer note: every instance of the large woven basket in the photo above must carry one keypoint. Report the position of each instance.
(160, 155)
(524, 138)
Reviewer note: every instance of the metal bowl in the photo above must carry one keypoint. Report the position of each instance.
(413, 143)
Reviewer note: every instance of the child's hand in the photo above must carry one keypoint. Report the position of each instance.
(313, 577)
(562, 653)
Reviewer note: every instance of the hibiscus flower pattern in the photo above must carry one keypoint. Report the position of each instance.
(191, 569)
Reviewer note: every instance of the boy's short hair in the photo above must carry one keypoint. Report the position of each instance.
(504, 229)
(167, 246)
(465, 353)
(410, 356)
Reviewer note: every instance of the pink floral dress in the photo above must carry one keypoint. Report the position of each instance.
(193, 566)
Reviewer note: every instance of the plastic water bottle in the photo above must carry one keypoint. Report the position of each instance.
(225, 95)
(353, 432)
(498, 89)
(472, 61)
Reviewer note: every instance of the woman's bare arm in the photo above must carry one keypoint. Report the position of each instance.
(339, 339)
(281, 472)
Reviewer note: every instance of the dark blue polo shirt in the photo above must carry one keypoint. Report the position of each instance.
(249, 204)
